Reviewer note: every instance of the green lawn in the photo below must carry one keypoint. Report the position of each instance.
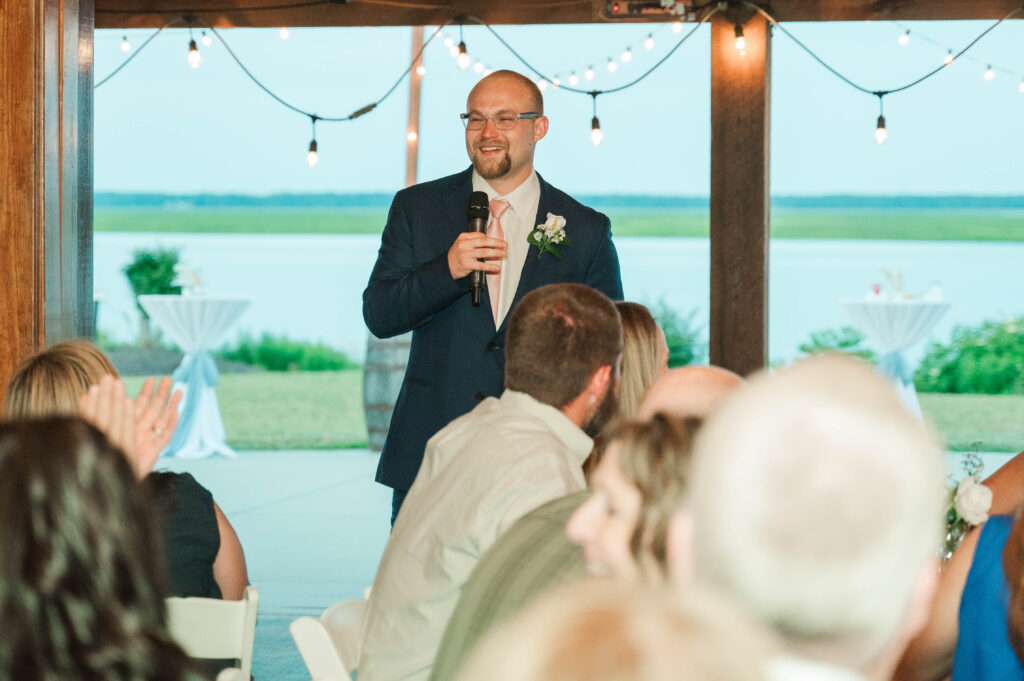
(996, 421)
(317, 410)
(937, 226)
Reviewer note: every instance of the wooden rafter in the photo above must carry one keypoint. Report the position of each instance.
(239, 13)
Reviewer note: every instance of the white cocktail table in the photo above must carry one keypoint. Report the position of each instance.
(195, 323)
(893, 325)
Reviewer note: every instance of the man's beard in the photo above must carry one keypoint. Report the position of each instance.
(497, 167)
(605, 411)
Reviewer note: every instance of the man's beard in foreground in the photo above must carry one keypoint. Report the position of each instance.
(605, 412)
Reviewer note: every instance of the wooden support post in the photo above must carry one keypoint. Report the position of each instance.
(46, 67)
(740, 110)
(412, 139)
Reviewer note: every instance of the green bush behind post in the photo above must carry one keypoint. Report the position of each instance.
(151, 272)
(682, 335)
(278, 353)
(847, 340)
(987, 359)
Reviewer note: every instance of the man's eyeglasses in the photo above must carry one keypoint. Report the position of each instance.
(505, 120)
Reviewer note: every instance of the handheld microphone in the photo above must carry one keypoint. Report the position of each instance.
(478, 212)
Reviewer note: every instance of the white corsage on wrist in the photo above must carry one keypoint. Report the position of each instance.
(549, 234)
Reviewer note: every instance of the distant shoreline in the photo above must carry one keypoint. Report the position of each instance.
(894, 223)
(114, 201)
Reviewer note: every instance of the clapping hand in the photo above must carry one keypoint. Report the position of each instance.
(155, 420)
(141, 427)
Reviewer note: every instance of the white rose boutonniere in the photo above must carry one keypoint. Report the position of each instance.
(549, 234)
(972, 500)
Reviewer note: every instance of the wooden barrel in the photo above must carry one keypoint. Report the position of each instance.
(382, 379)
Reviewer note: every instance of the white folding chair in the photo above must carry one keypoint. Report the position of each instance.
(330, 645)
(210, 628)
(231, 674)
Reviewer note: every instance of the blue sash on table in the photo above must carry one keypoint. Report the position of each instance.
(196, 371)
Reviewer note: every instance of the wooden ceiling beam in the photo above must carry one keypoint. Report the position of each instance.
(157, 13)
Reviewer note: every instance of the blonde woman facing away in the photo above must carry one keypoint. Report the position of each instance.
(203, 553)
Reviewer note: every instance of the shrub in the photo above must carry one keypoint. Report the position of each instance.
(846, 340)
(682, 335)
(278, 353)
(151, 272)
(987, 359)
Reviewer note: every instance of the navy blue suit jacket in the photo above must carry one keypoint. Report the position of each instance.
(457, 357)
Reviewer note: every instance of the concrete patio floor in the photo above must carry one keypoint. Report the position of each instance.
(313, 525)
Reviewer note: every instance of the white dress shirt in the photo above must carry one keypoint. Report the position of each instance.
(517, 222)
(480, 474)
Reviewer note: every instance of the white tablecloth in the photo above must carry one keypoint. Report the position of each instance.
(195, 324)
(894, 325)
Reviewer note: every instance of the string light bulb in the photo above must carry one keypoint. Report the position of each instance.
(677, 27)
(627, 56)
(205, 39)
(948, 59)
(478, 67)
(612, 65)
(412, 136)
(454, 51)
(589, 73)
(904, 38)
(1020, 88)
(574, 80)
(463, 59)
(990, 74)
(596, 136)
(556, 81)
(421, 70)
(311, 155)
(284, 33)
(125, 45)
(881, 134)
(542, 84)
(741, 42)
(449, 42)
(194, 58)
(649, 42)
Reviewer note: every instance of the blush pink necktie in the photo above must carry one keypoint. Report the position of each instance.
(498, 207)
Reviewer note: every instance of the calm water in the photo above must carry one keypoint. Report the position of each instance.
(309, 287)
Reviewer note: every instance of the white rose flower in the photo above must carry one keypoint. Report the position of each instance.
(972, 500)
(538, 235)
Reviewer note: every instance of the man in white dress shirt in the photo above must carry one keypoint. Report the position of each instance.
(816, 501)
(489, 467)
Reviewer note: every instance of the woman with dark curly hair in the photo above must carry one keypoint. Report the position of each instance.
(81, 576)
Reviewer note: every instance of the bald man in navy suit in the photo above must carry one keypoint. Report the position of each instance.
(421, 279)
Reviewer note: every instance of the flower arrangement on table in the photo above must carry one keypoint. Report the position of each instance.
(969, 503)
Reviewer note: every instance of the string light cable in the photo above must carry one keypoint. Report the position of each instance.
(950, 57)
(171, 23)
(771, 19)
(711, 10)
(881, 134)
(329, 119)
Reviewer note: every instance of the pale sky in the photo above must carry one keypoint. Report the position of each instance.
(164, 127)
